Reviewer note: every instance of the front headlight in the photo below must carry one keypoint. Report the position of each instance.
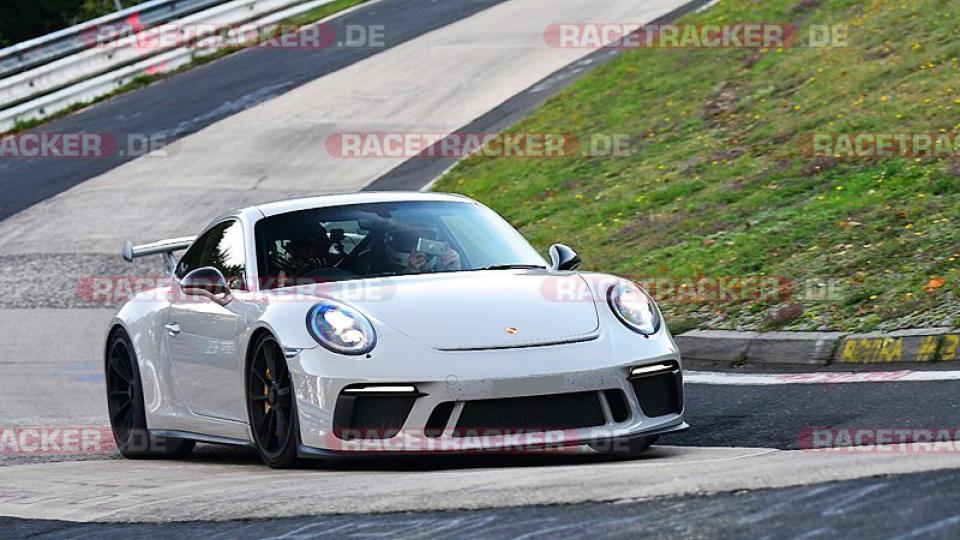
(341, 328)
(634, 308)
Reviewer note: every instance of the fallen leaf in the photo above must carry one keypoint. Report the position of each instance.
(934, 284)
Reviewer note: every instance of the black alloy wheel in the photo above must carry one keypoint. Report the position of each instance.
(128, 417)
(271, 404)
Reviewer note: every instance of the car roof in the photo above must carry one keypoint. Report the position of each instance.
(340, 199)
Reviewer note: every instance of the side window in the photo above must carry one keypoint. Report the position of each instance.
(222, 247)
(191, 259)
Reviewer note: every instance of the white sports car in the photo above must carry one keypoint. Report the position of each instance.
(384, 323)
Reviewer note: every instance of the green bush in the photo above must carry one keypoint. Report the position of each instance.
(21, 20)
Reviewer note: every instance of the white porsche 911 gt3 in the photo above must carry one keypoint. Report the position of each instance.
(384, 323)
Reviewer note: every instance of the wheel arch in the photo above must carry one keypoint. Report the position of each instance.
(255, 336)
(115, 326)
(144, 335)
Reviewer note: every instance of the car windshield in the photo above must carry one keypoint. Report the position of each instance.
(386, 239)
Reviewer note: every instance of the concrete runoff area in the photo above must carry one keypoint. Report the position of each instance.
(52, 370)
(164, 491)
(863, 508)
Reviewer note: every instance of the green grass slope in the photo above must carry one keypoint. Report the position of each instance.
(717, 187)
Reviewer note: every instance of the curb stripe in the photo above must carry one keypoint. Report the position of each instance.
(829, 377)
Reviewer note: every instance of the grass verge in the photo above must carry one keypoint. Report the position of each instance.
(717, 184)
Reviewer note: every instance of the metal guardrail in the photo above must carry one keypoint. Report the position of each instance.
(45, 49)
(260, 13)
(114, 54)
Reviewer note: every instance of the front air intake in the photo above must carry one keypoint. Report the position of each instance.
(659, 388)
(373, 411)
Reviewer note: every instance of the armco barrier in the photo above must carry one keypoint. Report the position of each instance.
(164, 61)
(115, 54)
(45, 49)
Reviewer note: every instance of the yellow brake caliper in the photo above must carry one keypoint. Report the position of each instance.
(266, 393)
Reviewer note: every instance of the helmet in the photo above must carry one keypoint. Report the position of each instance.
(401, 242)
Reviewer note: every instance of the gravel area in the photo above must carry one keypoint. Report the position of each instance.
(73, 280)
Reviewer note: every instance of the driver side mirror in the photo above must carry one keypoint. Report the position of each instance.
(563, 258)
(207, 282)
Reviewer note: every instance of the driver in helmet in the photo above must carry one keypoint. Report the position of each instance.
(415, 251)
(306, 251)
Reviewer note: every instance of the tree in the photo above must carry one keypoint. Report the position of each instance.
(21, 20)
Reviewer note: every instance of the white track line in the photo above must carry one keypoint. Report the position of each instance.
(828, 377)
(707, 6)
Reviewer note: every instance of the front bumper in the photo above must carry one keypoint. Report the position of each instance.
(594, 367)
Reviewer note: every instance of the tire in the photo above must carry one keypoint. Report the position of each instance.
(625, 447)
(272, 405)
(128, 417)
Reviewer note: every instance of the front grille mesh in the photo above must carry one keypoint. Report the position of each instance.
(530, 414)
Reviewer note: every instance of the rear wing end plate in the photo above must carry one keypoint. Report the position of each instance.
(161, 247)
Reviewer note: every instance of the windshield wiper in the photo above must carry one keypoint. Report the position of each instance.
(512, 267)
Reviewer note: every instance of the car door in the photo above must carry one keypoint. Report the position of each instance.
(203, 337)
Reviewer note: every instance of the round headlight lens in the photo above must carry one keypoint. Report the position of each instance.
(634, 308)
(341, 328)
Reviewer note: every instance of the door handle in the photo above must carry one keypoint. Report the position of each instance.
(173, 329)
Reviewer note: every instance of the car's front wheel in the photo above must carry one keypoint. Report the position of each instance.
(271, 404)
(128, 417)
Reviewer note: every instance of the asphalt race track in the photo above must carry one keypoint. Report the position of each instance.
(745, 469)
(193, 100)
(857, 508)
(729, 476)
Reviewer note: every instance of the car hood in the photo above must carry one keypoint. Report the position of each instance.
(476, 309)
